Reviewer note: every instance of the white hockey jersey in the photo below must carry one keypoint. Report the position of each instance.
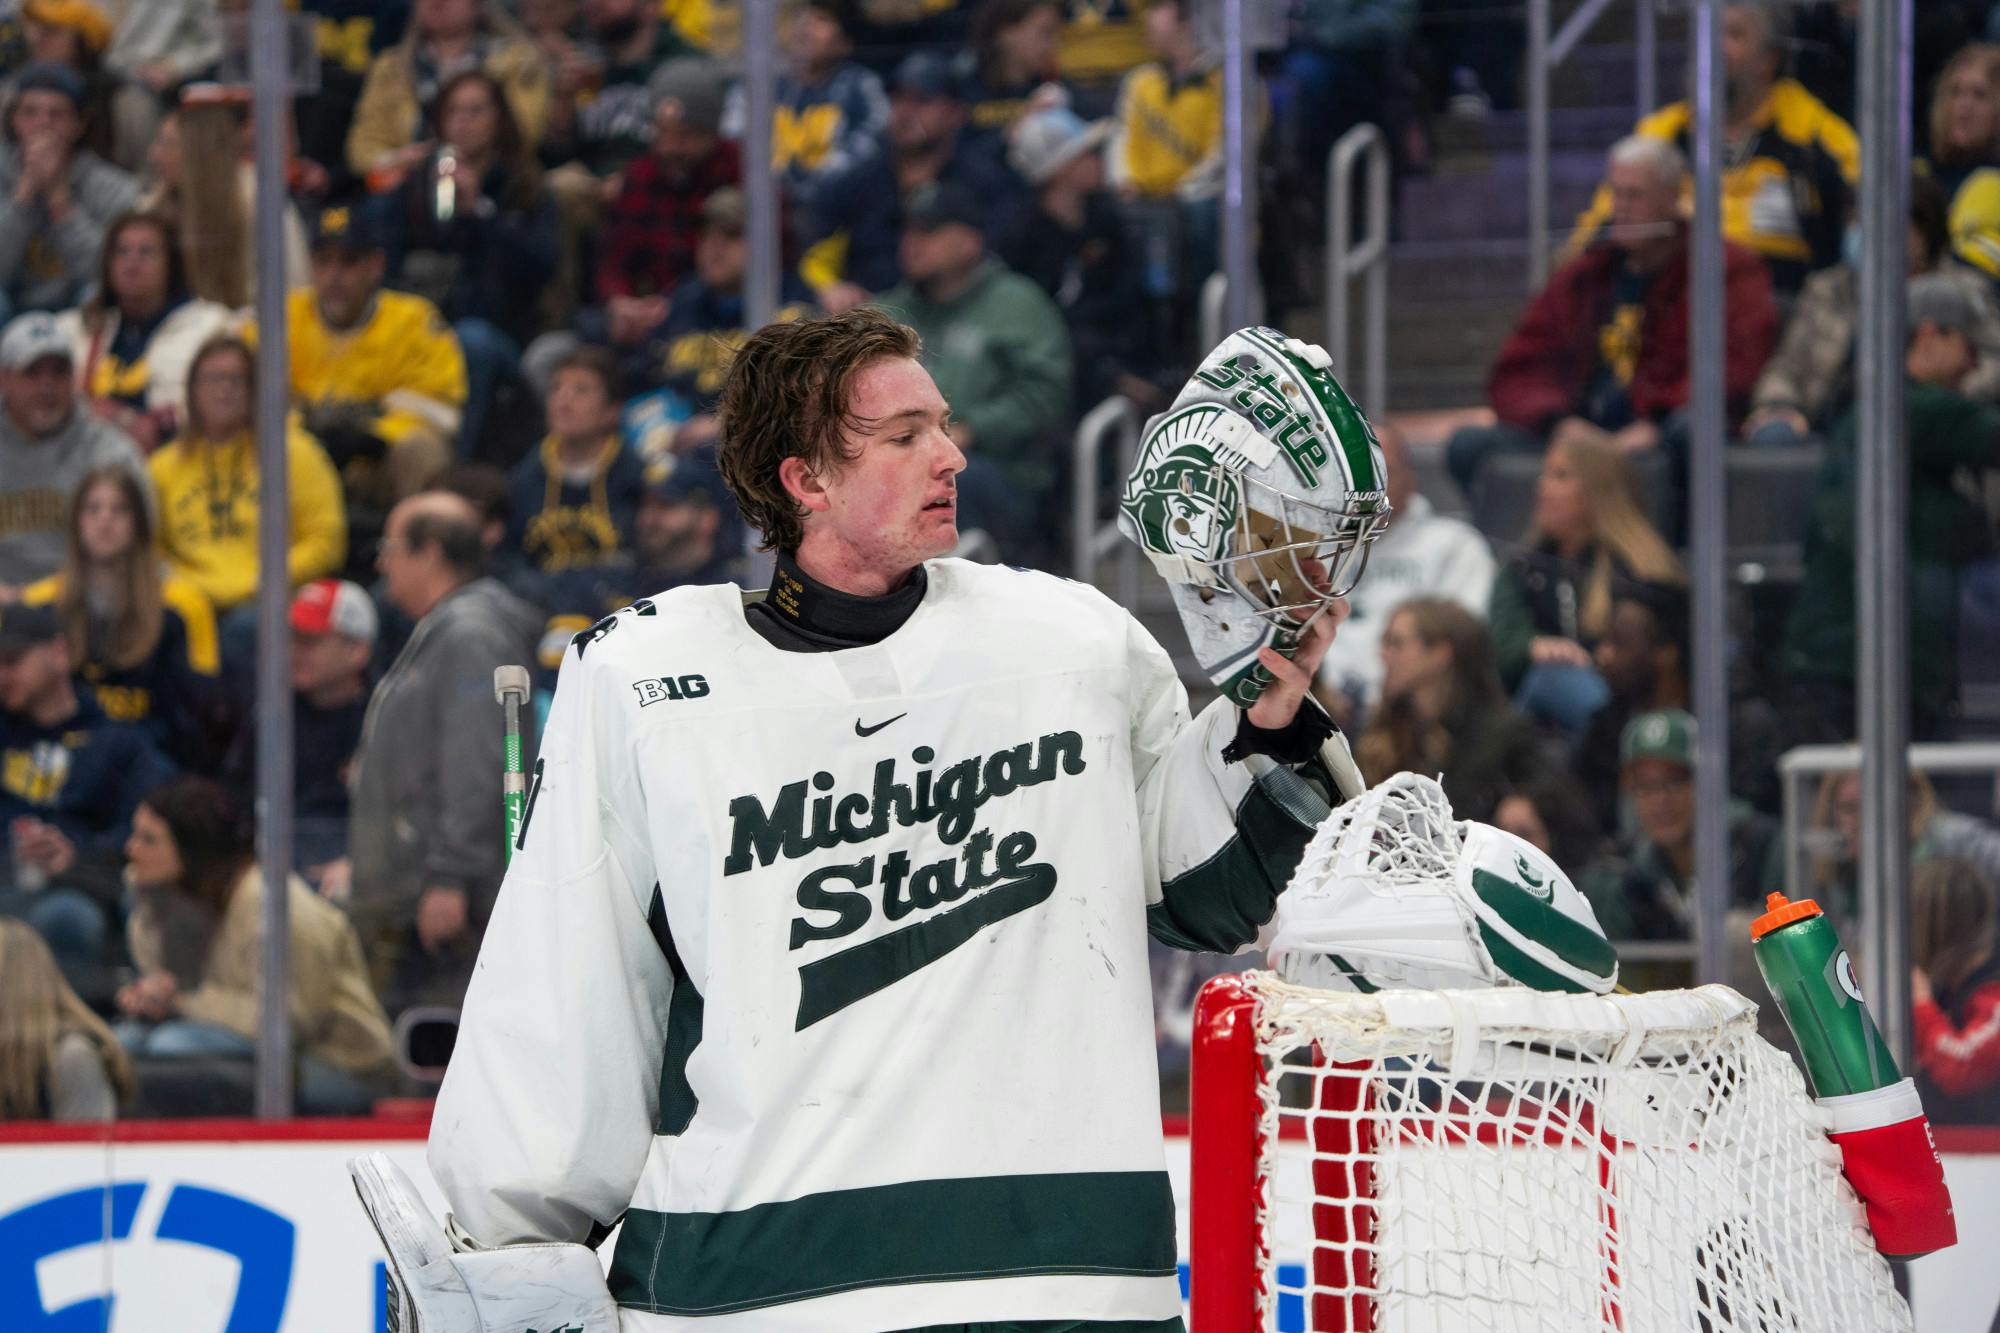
(828, 971)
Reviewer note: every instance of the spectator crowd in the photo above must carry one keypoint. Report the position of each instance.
(515, 263)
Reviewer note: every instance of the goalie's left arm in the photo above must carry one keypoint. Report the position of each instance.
(1219, 843)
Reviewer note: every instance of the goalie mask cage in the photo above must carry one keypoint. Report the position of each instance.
(1509, 1160)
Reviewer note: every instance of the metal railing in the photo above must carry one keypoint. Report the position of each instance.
(1799, 765)
(1890, 998)
(1214, 298)
(1089, 539)
(1545, 53)
(1367, 258)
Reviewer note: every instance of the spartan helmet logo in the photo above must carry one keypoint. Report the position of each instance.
(1184, 504)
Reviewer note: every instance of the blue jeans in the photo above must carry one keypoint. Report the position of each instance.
(70, 922)
(181, 1039)
(491, 360)
(1562, 694)
(322, 1089)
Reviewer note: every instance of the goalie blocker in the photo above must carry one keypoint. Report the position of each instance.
(437, 1288)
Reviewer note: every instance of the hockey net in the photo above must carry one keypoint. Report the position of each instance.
(1513, 1160)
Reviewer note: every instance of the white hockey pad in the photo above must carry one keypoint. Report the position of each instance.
(1393, 893)
(554, 1288)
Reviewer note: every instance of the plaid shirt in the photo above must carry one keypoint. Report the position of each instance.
(650, 231)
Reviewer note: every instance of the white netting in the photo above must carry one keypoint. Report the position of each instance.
(1510, 1160)
(1412, 839)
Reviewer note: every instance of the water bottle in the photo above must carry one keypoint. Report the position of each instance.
(1812, 978)
(446, 184)
(1873, 1114)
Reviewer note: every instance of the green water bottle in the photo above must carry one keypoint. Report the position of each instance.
(1813, 980)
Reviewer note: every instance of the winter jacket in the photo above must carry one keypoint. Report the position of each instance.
(85, 775)
(402, 357)
(208, 495)
(1169, 138)
(1538, 594)
(1812, 370)
(1946, 530)
(1001, 357)
(426, 809)
(1650, 901)
(1423, 554)
(820, 132)
(335, 1015)
(1785, 190)
(1956, 1035)
(491, 261)
(187, 34)
(1548, 361)
(50, 265)
(157, 380)
(38, 478)
(394, 108)
(172, 691)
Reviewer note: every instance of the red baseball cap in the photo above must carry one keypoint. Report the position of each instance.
(335, 606)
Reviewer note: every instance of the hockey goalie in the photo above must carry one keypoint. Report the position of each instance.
(822, 975)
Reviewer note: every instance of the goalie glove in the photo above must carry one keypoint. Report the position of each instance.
(1393, 893)
(554, 1288)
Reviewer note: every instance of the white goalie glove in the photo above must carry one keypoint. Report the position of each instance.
(1393, 893)
(434, 1288)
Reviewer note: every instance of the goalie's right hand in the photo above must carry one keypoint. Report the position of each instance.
(512, 1289)
(1292, 674)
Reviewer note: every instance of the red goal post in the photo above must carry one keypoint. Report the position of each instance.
(1511, 1160)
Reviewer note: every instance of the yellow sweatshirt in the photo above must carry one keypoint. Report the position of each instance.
(208, 513)
(1169, 137)
(403, 356)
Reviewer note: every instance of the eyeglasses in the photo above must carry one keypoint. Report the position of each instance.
(1644, 791)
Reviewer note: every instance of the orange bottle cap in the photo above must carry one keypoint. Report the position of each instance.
(1781, 911)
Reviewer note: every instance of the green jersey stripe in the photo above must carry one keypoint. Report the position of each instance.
(1116, 1223)
(684, 1018)
(1351, 430)
(1221, 904)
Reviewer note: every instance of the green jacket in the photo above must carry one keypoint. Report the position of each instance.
(1646, 899)
(1001, 357)
(1946, 432)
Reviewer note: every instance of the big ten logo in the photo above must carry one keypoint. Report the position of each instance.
(187, 1258)
(660, 689)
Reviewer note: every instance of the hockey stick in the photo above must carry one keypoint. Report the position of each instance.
(510, 691)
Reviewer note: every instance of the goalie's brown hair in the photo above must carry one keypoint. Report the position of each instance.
(789, 394)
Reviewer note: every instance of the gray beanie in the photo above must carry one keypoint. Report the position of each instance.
(694, 82)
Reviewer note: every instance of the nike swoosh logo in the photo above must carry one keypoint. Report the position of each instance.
(860, 730)
(830, 984)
